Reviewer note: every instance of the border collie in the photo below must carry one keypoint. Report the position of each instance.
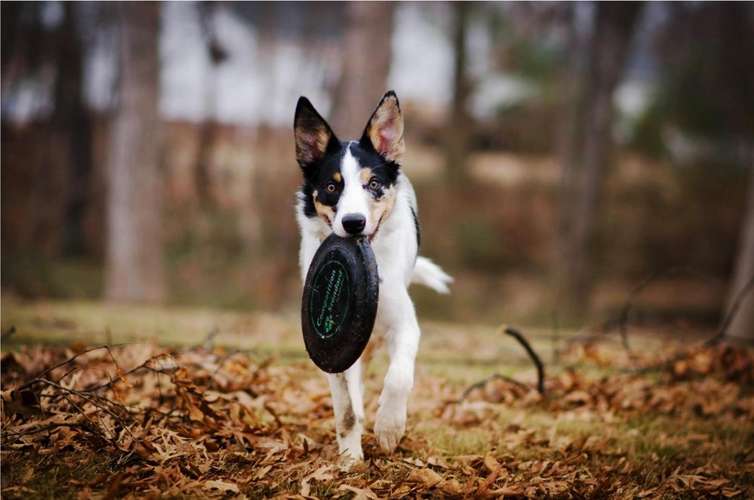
(358, 188)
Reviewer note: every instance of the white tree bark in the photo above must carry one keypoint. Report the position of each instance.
(134, 270)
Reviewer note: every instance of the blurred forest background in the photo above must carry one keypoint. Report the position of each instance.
(562, 153)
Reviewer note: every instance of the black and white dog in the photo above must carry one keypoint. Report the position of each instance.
(358, 188)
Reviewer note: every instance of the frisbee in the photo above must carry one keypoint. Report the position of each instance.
(339, 302)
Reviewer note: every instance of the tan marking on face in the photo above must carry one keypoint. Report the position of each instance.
(324, 211)
(337, 177)
(380, 209)
(365, 174)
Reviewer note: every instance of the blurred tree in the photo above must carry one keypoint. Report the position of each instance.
(587, 147)
(72, 122)
(134, 269)
(217, 55)
(705, 57)
(742, 325)
(458, 131)
(47, 159)
(738, 54)
(704, 97)
(367, 53)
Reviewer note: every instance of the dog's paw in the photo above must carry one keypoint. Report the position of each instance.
(389, 427)
(349, 457)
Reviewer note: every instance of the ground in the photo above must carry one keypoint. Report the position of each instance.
(197, 403)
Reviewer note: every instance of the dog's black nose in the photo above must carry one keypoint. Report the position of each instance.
(354, 223)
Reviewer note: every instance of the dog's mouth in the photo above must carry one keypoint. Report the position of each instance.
(370, 237)
(376, 230)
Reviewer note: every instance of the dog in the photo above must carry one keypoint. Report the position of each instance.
(358, 188)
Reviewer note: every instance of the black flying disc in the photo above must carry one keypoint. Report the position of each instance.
(340, 302)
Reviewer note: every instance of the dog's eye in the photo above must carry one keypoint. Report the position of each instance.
(374, 184)
(330, 187)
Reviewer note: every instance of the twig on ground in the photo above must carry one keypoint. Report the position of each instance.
(65, 375)
(49, 370)
(484, 382)
(144, 366)
(107, 405)
(95, 429)
(533, 355)
(115, 409)
(629, 303)
(209, 341)
(633, 294)
(623, 318)
(497, 376)
(620, 324)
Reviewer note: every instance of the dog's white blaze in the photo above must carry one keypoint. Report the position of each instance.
(354, 199)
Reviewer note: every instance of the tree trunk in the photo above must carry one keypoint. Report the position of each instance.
(459, 121)
(735, 62)
(586, 153)
(71, 122)
(742, 325)
(209, 129)
(134, 270)
(366, 65)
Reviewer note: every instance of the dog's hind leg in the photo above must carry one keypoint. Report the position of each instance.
(348, 405)
(402, 344)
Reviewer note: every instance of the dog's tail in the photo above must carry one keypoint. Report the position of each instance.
(429, 274)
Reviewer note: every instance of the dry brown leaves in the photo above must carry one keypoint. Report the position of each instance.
(217, 424)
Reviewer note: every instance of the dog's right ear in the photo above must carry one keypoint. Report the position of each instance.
(314, 137)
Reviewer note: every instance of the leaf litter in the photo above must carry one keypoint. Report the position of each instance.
(139, 421)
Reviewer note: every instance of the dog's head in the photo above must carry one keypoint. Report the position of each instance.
(351, 184)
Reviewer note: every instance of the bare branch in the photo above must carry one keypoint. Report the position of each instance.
(533, 355)
(636, 291)
(47, 371)
(497, 376)
(484, 382)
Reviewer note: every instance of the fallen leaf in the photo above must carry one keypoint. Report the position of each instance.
(361, 493)
(224, 486)
(427, 477)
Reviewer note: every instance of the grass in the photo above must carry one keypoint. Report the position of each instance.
(642, 448)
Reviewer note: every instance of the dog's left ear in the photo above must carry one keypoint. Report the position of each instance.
(384, 131)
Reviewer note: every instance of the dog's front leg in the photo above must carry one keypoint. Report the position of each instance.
(348, 405)
(402, 344)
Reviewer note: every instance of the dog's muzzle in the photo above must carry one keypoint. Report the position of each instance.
(354, 223)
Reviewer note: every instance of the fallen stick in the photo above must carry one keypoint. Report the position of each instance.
(49, 370)
(497, 376)
(533, 355)
(620, 324)
(483, 382)
(633, 294)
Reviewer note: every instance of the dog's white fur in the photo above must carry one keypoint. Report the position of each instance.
(395, 248)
